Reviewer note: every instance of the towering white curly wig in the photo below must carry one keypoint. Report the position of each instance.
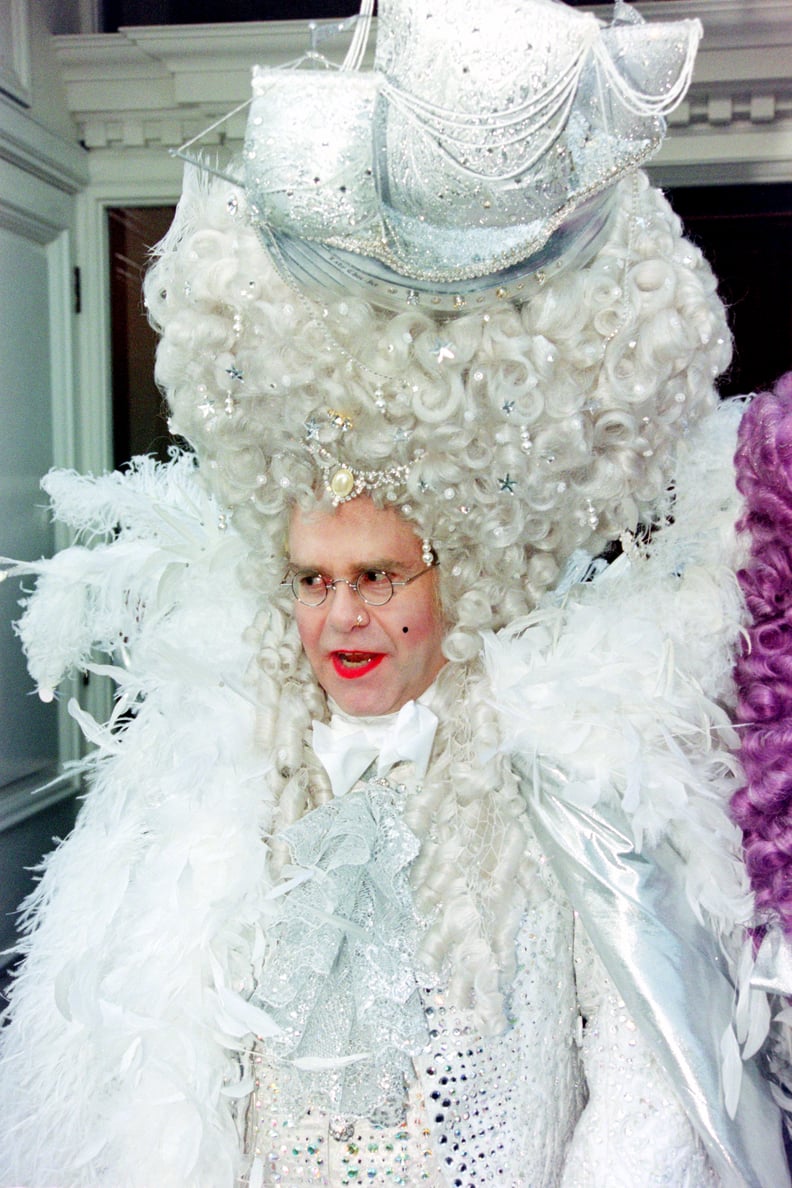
(525, 432)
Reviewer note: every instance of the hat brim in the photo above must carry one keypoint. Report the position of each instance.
(323, 270)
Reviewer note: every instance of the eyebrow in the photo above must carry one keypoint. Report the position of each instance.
(386, 564)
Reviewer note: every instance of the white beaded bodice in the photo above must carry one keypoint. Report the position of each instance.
(481, 1111)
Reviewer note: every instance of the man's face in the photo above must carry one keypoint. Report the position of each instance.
(369, 659)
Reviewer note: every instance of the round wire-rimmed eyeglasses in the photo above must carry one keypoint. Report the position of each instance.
(374, 586)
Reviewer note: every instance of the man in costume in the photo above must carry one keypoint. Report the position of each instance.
(407, 856)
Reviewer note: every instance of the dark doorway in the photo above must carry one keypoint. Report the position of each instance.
(746, 234)
(139, 417)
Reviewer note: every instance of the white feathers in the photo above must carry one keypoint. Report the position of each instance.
(150, 914)
(148, 525)
(616, 685)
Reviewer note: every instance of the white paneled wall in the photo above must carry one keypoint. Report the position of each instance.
(41, 170)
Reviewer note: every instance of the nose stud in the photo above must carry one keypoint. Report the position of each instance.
(359, 620)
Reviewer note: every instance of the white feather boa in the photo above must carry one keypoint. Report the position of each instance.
(120, 1068)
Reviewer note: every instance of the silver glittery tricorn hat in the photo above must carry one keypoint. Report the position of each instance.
(483, 146)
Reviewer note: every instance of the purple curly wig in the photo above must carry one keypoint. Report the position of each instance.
(763, 808)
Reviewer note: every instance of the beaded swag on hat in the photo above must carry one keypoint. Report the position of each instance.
(482, 148)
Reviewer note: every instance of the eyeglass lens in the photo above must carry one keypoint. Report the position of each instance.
(373, 586)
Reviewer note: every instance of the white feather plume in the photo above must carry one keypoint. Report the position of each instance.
(118, 1069)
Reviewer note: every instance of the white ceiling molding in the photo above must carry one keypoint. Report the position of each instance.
(143, 90)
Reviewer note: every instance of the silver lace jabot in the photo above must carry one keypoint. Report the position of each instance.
(340, 982)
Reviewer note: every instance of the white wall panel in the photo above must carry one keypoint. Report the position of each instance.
(28, 739)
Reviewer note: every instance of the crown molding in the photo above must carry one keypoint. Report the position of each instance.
(152, 88)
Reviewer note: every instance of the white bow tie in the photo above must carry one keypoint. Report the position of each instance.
(347, 747)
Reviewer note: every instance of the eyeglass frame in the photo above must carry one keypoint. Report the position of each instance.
(353, 585)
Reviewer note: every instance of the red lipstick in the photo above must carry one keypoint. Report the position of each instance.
(350, 665)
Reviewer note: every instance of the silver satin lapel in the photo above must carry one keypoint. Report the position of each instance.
(667, 969)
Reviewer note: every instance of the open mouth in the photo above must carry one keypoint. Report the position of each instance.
(355, 664)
